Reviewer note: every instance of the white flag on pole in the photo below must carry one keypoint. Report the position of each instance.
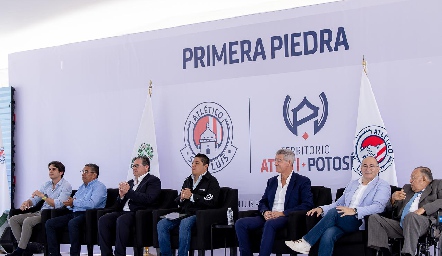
(145, 143)
(5, 197)
(371, 136)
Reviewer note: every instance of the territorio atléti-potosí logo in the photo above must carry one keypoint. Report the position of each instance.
(209, 130)
(373, 141)
(293, 121)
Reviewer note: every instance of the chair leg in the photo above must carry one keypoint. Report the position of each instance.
(46, 251)
(140, 251)
(233, 251)
(90, 249)
(137, 251)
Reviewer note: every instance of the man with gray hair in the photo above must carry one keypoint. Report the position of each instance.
(414, 209)
(285, 193)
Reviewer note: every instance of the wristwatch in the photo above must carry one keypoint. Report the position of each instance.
(356, 212)
(44, 197)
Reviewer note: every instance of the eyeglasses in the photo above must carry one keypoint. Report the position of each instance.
(86, 171)
(134, 165)
(371, 166)
(413, 178)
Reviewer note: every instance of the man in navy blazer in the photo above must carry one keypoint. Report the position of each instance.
(284, 194)
(139, 193)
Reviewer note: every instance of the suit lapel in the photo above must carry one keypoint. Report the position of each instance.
(144, 180)
(290, 187)
(274, 187)
(426, 192)
(131, 183)
(369, 188)
(408, 196)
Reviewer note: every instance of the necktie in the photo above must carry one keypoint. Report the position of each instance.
(408, 206)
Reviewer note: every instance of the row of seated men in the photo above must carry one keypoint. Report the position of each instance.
(415, 207)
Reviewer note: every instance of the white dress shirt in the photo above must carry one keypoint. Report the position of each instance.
(278, 204)
(136, 183)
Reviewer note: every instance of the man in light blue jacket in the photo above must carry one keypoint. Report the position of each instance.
(364, 196)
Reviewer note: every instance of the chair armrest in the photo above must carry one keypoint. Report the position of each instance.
(101, 212)
(59, 212)
(204, 221)
(156, 214)
(91, 232)
(34, 208)
(208, 217)
(45, 215)
(297, 226)
(311, 221)
(14, 212)
(144, 227)
(249, 213)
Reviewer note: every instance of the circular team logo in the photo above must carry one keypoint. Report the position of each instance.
(2, 155)
(373, 141)
(209, 130)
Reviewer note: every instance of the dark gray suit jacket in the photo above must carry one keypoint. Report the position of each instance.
(431, 200)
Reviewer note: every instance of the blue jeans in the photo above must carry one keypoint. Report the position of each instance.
(185, 233)
(243, 225)
(75, 221)
(329, 229)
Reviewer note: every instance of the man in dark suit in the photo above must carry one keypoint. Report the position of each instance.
(284, 194)
(139, 193)
(414, 209)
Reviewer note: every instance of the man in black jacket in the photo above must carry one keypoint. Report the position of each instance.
(139, 193)
(199, 191)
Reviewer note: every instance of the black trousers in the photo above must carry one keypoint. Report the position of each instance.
(115, 228)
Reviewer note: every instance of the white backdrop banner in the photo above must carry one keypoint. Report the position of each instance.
(237, 90)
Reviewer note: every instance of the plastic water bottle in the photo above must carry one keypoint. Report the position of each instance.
(229, 216)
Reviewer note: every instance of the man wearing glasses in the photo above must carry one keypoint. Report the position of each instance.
(91, 194)
(284, 194)
(414, 209)
(53, 192)
(364, 196)
(139, 193)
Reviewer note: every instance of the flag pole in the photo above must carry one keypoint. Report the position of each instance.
(146, 249)
(364, 65)
(150, 88)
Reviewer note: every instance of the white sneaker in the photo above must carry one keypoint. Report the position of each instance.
(300, 246)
